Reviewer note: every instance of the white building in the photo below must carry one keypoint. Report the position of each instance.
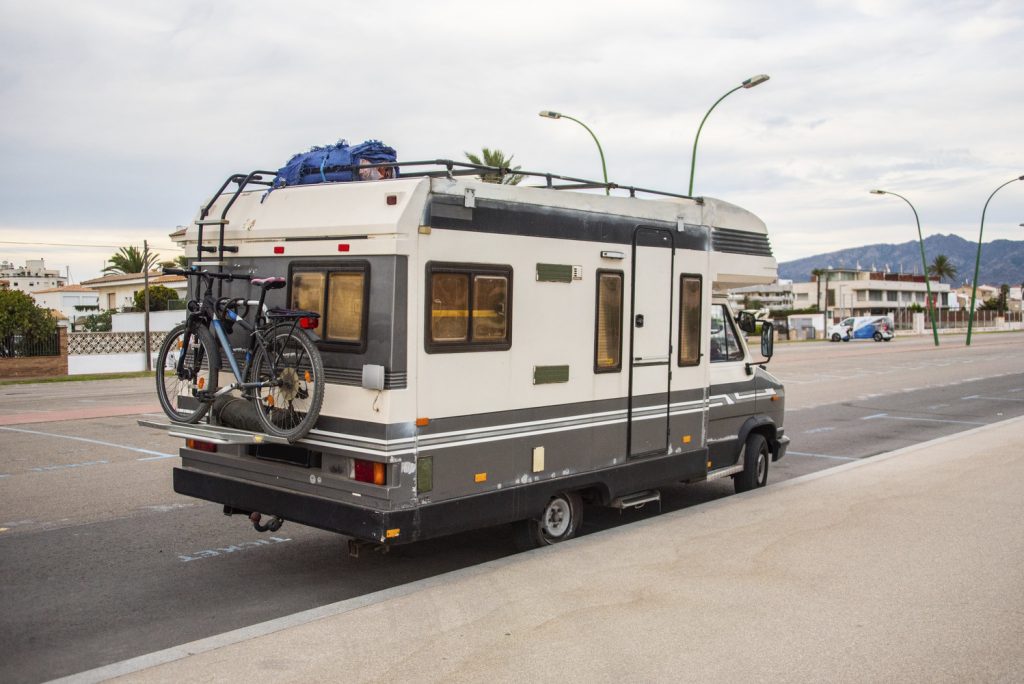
(775, 297)
(118, 291)
(72, 301)
(841, 292)
(31, 277)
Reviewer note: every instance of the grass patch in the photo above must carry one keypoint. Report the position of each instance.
(78, 378)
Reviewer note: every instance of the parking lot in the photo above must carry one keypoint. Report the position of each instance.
(99, 554)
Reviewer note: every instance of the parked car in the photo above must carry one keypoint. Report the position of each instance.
(877, 328)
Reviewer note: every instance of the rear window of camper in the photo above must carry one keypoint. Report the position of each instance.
(339, 295)
(470, 307)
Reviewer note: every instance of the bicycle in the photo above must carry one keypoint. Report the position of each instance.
(283, 374)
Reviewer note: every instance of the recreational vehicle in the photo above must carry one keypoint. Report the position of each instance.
(493, 353)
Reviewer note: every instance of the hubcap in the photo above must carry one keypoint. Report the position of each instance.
(557, 518)
(762, 466)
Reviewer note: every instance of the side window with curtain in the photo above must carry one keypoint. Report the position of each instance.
(608, 322)
(690, 297)
(469, 307)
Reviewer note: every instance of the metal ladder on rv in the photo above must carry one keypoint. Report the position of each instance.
(220, 249)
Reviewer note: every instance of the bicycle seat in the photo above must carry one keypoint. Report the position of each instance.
(275, 283)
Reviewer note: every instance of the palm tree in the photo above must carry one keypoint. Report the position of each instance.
(496, 158)
(817, 273)
(130, 260)
(942, 268)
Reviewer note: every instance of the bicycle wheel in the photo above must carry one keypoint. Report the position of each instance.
(181, 390)
(290, 365)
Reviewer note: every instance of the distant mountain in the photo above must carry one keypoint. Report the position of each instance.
(1002, 261)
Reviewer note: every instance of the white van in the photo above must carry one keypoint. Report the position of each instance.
(877, 328)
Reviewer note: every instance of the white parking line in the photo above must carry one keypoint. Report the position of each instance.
(877, 415)
(833, 458)
(816, 430)
(156, 454)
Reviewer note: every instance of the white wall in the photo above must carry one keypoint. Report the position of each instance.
(159, 321)
(107, 363)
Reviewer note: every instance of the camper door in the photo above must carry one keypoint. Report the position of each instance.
(650, 341)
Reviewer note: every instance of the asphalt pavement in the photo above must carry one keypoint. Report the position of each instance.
(902, 567)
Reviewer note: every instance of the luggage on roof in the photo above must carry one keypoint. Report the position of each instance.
(333, 163)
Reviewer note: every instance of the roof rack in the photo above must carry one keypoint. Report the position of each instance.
(449, 169)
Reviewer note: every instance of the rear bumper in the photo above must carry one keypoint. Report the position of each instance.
(354, 521)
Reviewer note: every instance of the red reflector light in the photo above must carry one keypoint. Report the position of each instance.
(278, 250)
(343, 247)
(368, 471)
(392, 200)
(309, 323)
(201, 446)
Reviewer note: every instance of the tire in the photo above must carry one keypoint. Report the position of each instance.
(200, 373)
(290, 407)
(877, 337)
(836, 337)
(559, 522)
(756, 457)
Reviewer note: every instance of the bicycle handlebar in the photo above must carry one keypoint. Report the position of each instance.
(210, 274)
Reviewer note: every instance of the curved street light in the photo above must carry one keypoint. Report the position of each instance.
(557, 115)
(749, 83)
(924, 261)
(977, 259)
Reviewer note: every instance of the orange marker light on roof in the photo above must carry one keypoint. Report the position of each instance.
(422, 422)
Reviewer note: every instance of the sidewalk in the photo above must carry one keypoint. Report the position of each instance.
(904, 567)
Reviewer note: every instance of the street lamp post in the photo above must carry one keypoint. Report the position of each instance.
(557, 115)
(977, 259)
(924, 261)
(749, 83)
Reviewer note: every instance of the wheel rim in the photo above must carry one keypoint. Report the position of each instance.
(762, 466)
(557, 518)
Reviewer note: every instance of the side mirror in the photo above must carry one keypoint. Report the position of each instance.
(746, 322)
(767, 340)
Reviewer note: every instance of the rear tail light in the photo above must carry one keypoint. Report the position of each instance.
(309, 323)
(368, 471)
(200, 445)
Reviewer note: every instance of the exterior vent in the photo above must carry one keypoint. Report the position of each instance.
(740, 242)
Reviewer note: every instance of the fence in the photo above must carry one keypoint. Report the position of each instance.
(22, 358)
(946, 319)
(20, 346)
(110, 352)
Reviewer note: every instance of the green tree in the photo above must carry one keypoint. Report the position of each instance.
(159, 296)
(180, 261)
(20, 315)
(942, 268)
(99, 322)
(130, 260)
(496, 158)
(816, 274)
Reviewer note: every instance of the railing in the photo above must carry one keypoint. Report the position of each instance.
(19, 346)
(946, 319)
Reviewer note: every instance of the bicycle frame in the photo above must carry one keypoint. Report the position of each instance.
(208, 315)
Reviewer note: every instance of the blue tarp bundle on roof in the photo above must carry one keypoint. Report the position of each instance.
(332, 163)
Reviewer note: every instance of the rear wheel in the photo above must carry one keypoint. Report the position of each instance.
(289, 405)
(755, 464)
(836, 337)
(560, 521)
(187, 369)
(877, 337)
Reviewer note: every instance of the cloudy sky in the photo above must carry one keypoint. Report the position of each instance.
(120, 117)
